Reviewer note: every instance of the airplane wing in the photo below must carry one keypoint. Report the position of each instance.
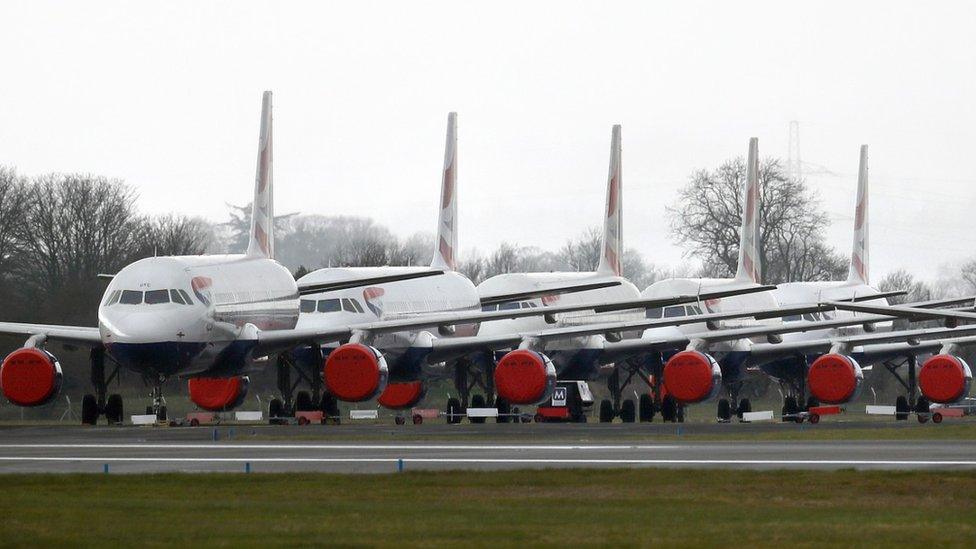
(81, 335)
(921, 339)
(320, 287)
(704, 296)
(912, 313)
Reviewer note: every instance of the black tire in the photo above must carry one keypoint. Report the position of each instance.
(606, 411)
(504, 411)
(113, 409)
(724, 412)
(303, 402)
(275, 408)
(477, 401)
(149, 410)
(790, 408)
(812, 403)
(628, 411)
(814, 418)
(902, 409)
(681, 413)
(329, 405)
(399, 420)
(453, 410)
(161, 416)
(745, 406)
(922, 405)
(669, 410)
(937, 417)
(89, 410)
(645, 408)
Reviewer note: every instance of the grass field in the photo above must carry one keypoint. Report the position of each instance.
(520, 508)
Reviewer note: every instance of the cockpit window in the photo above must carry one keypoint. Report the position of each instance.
(155, 297)
(130, 297)
(329, 306)
(510, 306)
(673, 312)
(654, 313)
(112, 298)
(694, 310)
(489, 308)
(791, 318)
(809, 317)
(357, 306)
(176, 297)
(347, 305)
(186, 297)
(307, 306)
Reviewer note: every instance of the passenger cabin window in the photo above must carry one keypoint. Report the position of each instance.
(307, 306)
(656, 312)
(329, 306)
(130, 297)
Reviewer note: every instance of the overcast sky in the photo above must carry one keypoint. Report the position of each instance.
(167, 96)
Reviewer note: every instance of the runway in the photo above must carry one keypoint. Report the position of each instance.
(135, 450)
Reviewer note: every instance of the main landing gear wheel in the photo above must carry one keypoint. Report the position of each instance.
(453, 410)
(329, 405)
(922, 406)
(745, 406)
(399, 420)
(645, 408)
(606, 411)
(628, 411)
(89, 410)
(724, 410)
(113, 409)
(161, 415)
(275, 411)
(790, 409)
(303, 402)
(669, 410)
(477, 401)
(902, 409)
(504, 411)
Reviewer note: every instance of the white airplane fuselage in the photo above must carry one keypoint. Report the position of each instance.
(147, 326)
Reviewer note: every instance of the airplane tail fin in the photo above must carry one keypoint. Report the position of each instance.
(750, 266)
(611, 258)
(858, 273)
(446, 243)
(261, 243)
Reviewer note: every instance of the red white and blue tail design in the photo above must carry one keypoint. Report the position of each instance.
(613, 248)
(262, 209)
(858, 273)
(750, 266)
(446, 243)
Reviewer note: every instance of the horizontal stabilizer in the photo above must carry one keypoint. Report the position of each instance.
(552, 290)
(317, 288)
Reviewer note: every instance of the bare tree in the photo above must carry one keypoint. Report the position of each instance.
(708, 214)
(175, 235)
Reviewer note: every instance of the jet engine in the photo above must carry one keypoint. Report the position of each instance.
(355, 372)
(945, 379)
(692, 376)
(399, 396)
(525, 377)
(835, 378)
(218, 393)
(30, 377)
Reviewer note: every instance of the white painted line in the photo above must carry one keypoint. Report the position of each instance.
(343, 446)
(503, 460)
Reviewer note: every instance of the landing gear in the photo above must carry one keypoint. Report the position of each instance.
(504, 411)
(467, 377)
(158, 405)
(628, 412)
(89, 410)
(113, 409)
(329, 405)
(745, 406)
(724, 411)
(477, 401)
(453, 411)
(645, 408)
(902, 408)
(276, 412)
(606, 411)
(292, 401)
(669, 410)
(791, 409)
(303, 402)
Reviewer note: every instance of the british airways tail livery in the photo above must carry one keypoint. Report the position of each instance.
(859, 273)
(750, 268)
(611, 258)
(446, 241)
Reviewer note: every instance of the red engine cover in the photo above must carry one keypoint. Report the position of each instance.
(944, 379)
(355, 372)
(524, 377)
(398, 396)
(218, 393)
(690, 376)
(30, 377)
(834, 378)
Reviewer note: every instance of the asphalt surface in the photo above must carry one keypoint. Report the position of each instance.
(383, 449)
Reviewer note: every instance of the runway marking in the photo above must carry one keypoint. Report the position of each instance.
(183, 446)
(853, 462)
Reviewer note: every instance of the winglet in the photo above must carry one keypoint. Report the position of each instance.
(612, 256)
(858, 273)
(750, 266)
(262, 209)
(446, 244)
